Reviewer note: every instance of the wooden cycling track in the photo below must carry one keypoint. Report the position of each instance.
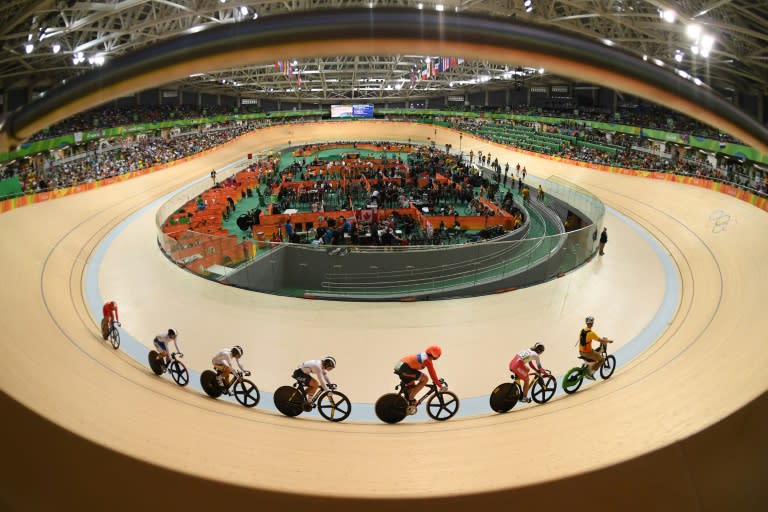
(678, 427)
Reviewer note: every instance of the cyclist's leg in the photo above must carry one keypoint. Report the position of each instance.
(412, 392)
(526, 385)
(224, 372)
(162, 350)
(312, 386)
(594, 361)
(105, 328)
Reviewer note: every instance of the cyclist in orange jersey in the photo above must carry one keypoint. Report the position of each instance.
(409, 370)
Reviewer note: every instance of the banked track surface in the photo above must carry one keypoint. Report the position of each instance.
(677, 427)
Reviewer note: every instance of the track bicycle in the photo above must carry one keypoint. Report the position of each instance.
(245, 391)
(394, 407)
(575, 376)
(114, 335)
(176, 368)
(506, 395)
(332, 405)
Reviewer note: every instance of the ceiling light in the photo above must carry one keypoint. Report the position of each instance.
(419, 6)
(541, 71)
(693, 31)
(669, 15)
(658, 62)
(695, 49)
(29, 47)
(56, 48)
(678, 56)
(439, 7)
(707, 42)
(243, 10)
(705, 52)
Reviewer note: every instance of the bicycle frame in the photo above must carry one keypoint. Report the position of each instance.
(431, 390)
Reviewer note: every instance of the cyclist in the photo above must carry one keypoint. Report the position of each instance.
(222, 361)
(161, 344)
(586, 337)
(517, 366)
(319, 367)
(109, 312)
(408, 369)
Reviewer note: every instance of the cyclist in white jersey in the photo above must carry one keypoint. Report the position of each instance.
(318, 367)
(223, 360)
(161, 343)
(518, 366)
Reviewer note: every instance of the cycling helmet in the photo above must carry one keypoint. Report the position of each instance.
(237, 351)
(172, 333)
(538, 347)
(435, 351)
(329, 361)
(590, 319)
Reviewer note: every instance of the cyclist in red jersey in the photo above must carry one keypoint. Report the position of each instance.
(110, 315)
(409, 370)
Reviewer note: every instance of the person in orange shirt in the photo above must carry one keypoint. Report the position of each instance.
(109, 312)
(586, 337)
(409, 370)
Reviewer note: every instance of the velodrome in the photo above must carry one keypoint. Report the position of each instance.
(682, 417)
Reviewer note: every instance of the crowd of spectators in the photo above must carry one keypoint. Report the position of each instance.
(43, 173)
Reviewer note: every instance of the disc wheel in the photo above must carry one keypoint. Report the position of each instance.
(179, 373)
(609, 366)
(209, 384)
(334, 406)
(246, 393)
(391, 408)
(114, 337)
(155, 362)
(504, 397)
(543, 389)
(442, 405)
(289, 401)
(572, 380)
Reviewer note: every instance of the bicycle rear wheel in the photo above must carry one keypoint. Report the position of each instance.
(289, 401)
(442, 405)
(246, 393)
(114, 337)
(155, 362)
(504, 397)
(179, 373)
(572, 380)
(209, 384)
(334, 406)
(543, 388)
(391, 408)
(609, 366)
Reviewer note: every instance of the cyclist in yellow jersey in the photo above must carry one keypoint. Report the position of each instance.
(586, 337)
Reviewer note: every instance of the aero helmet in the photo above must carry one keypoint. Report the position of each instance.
(329, 361)
(237, 351)
(172, 333)
(538, 347)
(435, 351)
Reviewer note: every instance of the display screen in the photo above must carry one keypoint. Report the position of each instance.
(352, 110)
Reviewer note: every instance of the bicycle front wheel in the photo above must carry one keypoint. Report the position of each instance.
(289, 401)
(246, 393)
(504, 397)
(391, 408)
(609, 366)
(334, 406)
(179, 373)
(114, 337)
(572, 380)
(543, 388)
(442, 405)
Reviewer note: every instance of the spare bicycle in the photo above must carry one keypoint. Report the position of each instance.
(176, 368)
(292, 400)
(506, 395)
(394, 407)
(575, 376)
(245, 391)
